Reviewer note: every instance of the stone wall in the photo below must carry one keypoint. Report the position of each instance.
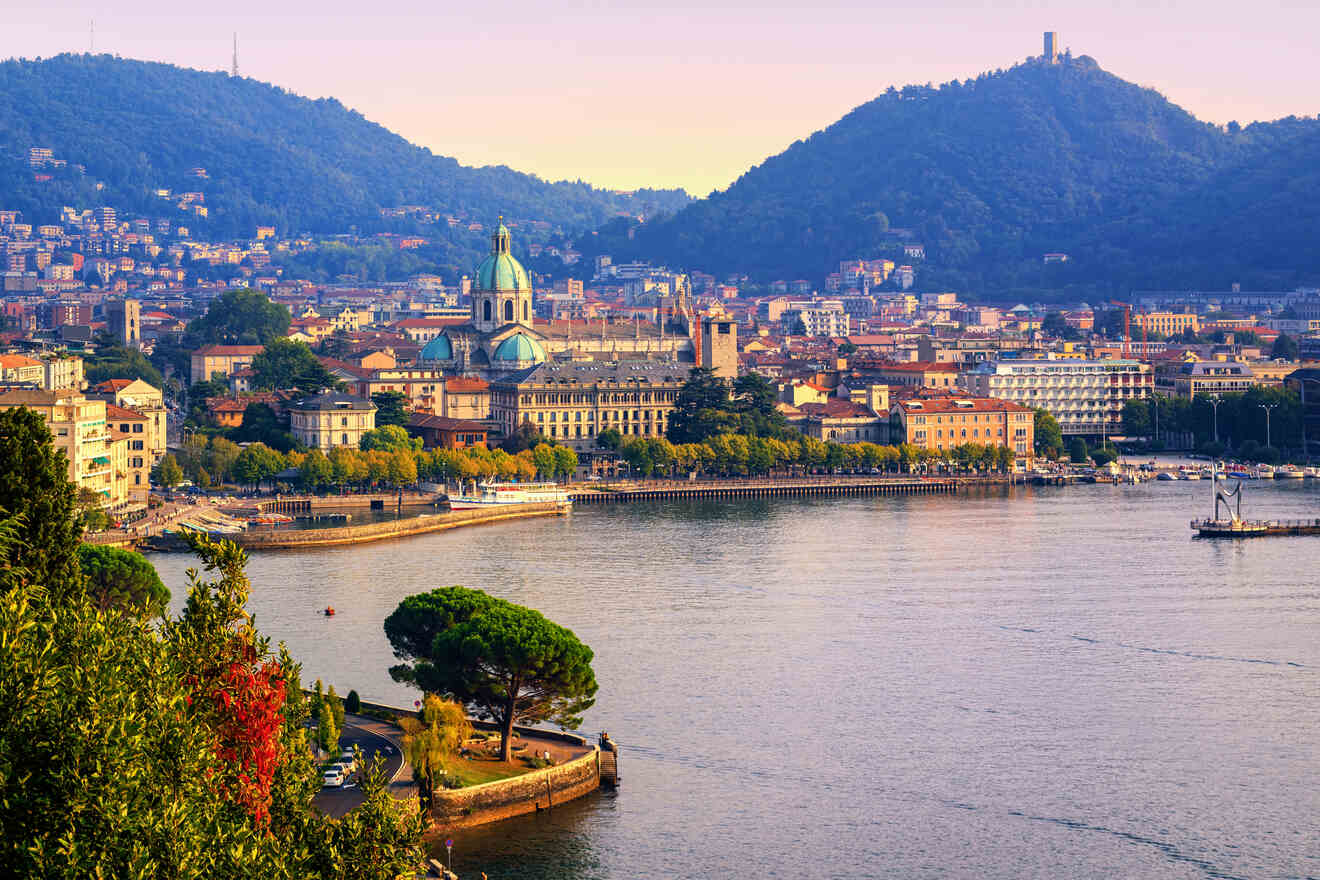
(528, 793)
(283, 539)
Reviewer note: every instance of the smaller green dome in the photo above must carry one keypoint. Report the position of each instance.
(500, 270)
(438, 349)
(520, 347)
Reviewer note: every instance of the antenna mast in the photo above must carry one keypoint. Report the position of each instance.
(234, 71)
(91, 37)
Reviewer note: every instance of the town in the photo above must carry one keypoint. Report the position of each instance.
(114, 332)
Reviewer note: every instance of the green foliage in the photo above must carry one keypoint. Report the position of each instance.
(707, 406)
(261, 425)
(388, 439)
(316, 472)
(241, 317)
(122, 579)
(327, 729)
(273, 157)
(431, 742)
(352, 703)
(1103, 455)
(1285, 348)
(505, 661)
(610, 438)
(167, 472)
(258, 463)
(1046, 434)
(1077, 451)
(128, 750)
(34, 486)
(391, 408)
(111, 361)
(289, 363)
(522, 438)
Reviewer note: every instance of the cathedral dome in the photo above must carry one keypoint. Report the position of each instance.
(438, 349)
(500, 271)
(520, 348)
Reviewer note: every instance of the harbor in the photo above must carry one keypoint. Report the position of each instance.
(1234, 526)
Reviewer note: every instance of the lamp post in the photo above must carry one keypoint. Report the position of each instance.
(1267, 407)
(1214, 402)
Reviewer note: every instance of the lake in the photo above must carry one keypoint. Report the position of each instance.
(1053, 682)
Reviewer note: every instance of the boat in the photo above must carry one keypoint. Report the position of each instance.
(1167, 477)
(269, 519)
(1288, 472)
(1265, 472)
(1311, 473)
(492, 494)
(1190, 475)
(329, 611)
(1241, 473)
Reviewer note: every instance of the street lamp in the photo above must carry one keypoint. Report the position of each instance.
(1267, 407)
(1214, 402)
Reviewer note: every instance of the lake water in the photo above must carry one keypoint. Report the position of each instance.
(1038, 683)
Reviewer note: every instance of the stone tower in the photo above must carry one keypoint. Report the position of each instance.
(719, 346)
(124, 318)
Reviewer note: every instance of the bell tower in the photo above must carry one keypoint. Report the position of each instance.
(502, 293)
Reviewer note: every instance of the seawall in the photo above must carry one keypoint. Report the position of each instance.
(292, 539)
(529, 793)
(767, 488)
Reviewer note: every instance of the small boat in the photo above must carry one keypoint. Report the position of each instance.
(1311, 473)
(329, 611)
(1288, 472)
(1242, 474)
(1265, 472)
(269, 519)
(1167, 477)
(1189, 475)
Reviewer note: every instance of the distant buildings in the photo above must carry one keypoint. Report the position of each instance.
(79, 428)
(211, 360)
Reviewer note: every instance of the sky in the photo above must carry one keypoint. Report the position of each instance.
(682, 93)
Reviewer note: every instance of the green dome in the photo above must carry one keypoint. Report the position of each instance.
(438, 349)
(520, 347)
(500, 271)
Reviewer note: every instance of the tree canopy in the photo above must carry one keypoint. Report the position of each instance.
(289, 363)
(122, 579)
(506, 662)
(35, 488)
(241, 317)
(708, 406)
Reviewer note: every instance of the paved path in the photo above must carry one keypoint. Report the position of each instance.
(374, 738)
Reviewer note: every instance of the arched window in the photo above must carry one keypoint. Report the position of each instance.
(485, 310)
(508, 310)
(525, 312)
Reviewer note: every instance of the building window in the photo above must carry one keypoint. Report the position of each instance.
(343, 438)
(508, 310)
(485, 310)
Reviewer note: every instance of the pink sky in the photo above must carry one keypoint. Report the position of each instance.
(629, 94)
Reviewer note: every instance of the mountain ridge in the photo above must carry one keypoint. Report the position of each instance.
(990, 174)
(273, 157)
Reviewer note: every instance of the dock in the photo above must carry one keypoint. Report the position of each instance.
(830, 487)
(1249, 528)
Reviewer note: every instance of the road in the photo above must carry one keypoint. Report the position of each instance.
(374, 738)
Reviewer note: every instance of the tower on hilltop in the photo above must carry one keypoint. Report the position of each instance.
(234, 71)
(1051, 55)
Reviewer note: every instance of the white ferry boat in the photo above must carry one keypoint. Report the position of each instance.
(493, 494)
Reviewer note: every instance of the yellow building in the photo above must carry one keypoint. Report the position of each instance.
(1166, 323)
(147, 400)
(942, 423)
(79, 428)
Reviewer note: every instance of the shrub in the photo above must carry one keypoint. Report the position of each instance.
(353, 703)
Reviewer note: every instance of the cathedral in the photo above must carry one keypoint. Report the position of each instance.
(501, 337)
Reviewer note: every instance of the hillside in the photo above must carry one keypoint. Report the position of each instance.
(271, 157)
(992, 173)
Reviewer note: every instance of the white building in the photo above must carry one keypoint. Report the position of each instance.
(825, 317)
(331, 419)
(1086, 397)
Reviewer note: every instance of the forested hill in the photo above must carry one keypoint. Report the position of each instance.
(271, 157)
(990, 174)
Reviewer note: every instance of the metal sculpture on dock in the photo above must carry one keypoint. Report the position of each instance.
(1232, 500)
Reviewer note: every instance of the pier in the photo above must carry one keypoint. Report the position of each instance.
(803, 487)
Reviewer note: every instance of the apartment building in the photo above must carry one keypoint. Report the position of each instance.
(331, 419)
(1085, 396)
(942, 423)
(209, 360)
(79, 428)
(147, 400)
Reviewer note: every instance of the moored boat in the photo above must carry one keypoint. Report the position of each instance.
(1288, 472)
(493, 494)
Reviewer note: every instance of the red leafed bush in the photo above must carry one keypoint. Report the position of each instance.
(246, 703)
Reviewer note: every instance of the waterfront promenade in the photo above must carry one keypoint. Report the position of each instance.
(769, 487)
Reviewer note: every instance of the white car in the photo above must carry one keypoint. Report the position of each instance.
(332, 779)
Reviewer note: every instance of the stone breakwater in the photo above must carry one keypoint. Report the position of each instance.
(293, 539)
